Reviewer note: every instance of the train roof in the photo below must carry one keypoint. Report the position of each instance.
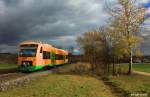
(47, 45)
(60, 50)
(35, 42)
(30, 42)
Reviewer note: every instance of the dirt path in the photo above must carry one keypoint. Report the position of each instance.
(141, 73)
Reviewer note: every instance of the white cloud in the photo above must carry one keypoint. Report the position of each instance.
(143, 1)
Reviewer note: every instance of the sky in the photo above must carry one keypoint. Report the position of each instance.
(57, 22)
(146, 29)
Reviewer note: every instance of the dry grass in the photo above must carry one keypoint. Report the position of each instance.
(132, 83)
(78, 68)
(56, 85)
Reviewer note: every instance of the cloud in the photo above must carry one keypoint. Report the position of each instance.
(48, 20)
(57, 22)
(8, 49)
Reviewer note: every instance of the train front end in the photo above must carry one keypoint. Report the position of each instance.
(27, 57)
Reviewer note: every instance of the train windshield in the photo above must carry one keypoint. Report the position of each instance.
(27, 52)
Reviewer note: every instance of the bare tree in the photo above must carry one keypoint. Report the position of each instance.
(96, 46)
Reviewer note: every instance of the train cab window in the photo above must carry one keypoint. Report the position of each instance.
(41, 50)
(27, 52)
(46, 55)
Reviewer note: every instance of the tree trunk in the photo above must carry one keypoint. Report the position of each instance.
(130, 63)
(114, 70)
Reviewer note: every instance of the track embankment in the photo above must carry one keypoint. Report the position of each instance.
(14, 79)
(11, 70)
(10, 80)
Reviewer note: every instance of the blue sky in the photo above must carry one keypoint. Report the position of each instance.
(147, 5)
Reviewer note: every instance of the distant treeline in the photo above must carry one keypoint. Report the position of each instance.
(82, 58)
(8, 58)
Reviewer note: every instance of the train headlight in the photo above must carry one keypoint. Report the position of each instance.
(26, 63)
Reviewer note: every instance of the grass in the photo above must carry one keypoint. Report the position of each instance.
(133, 83)
(58, 85)
(75, 81)
(8, 66)
(143, 67)
(129, 83)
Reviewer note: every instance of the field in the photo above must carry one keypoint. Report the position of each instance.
(133, 83)
(75, 80)
(7, 66)
(143, 67)
(8, 62)
(61, 85)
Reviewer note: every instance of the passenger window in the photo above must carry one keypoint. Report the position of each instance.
(41, 50)
(46, 55)
(59, 57)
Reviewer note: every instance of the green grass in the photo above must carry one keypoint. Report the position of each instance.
(133, 83)
(55, 85)
(143, 67)
(8, 66)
